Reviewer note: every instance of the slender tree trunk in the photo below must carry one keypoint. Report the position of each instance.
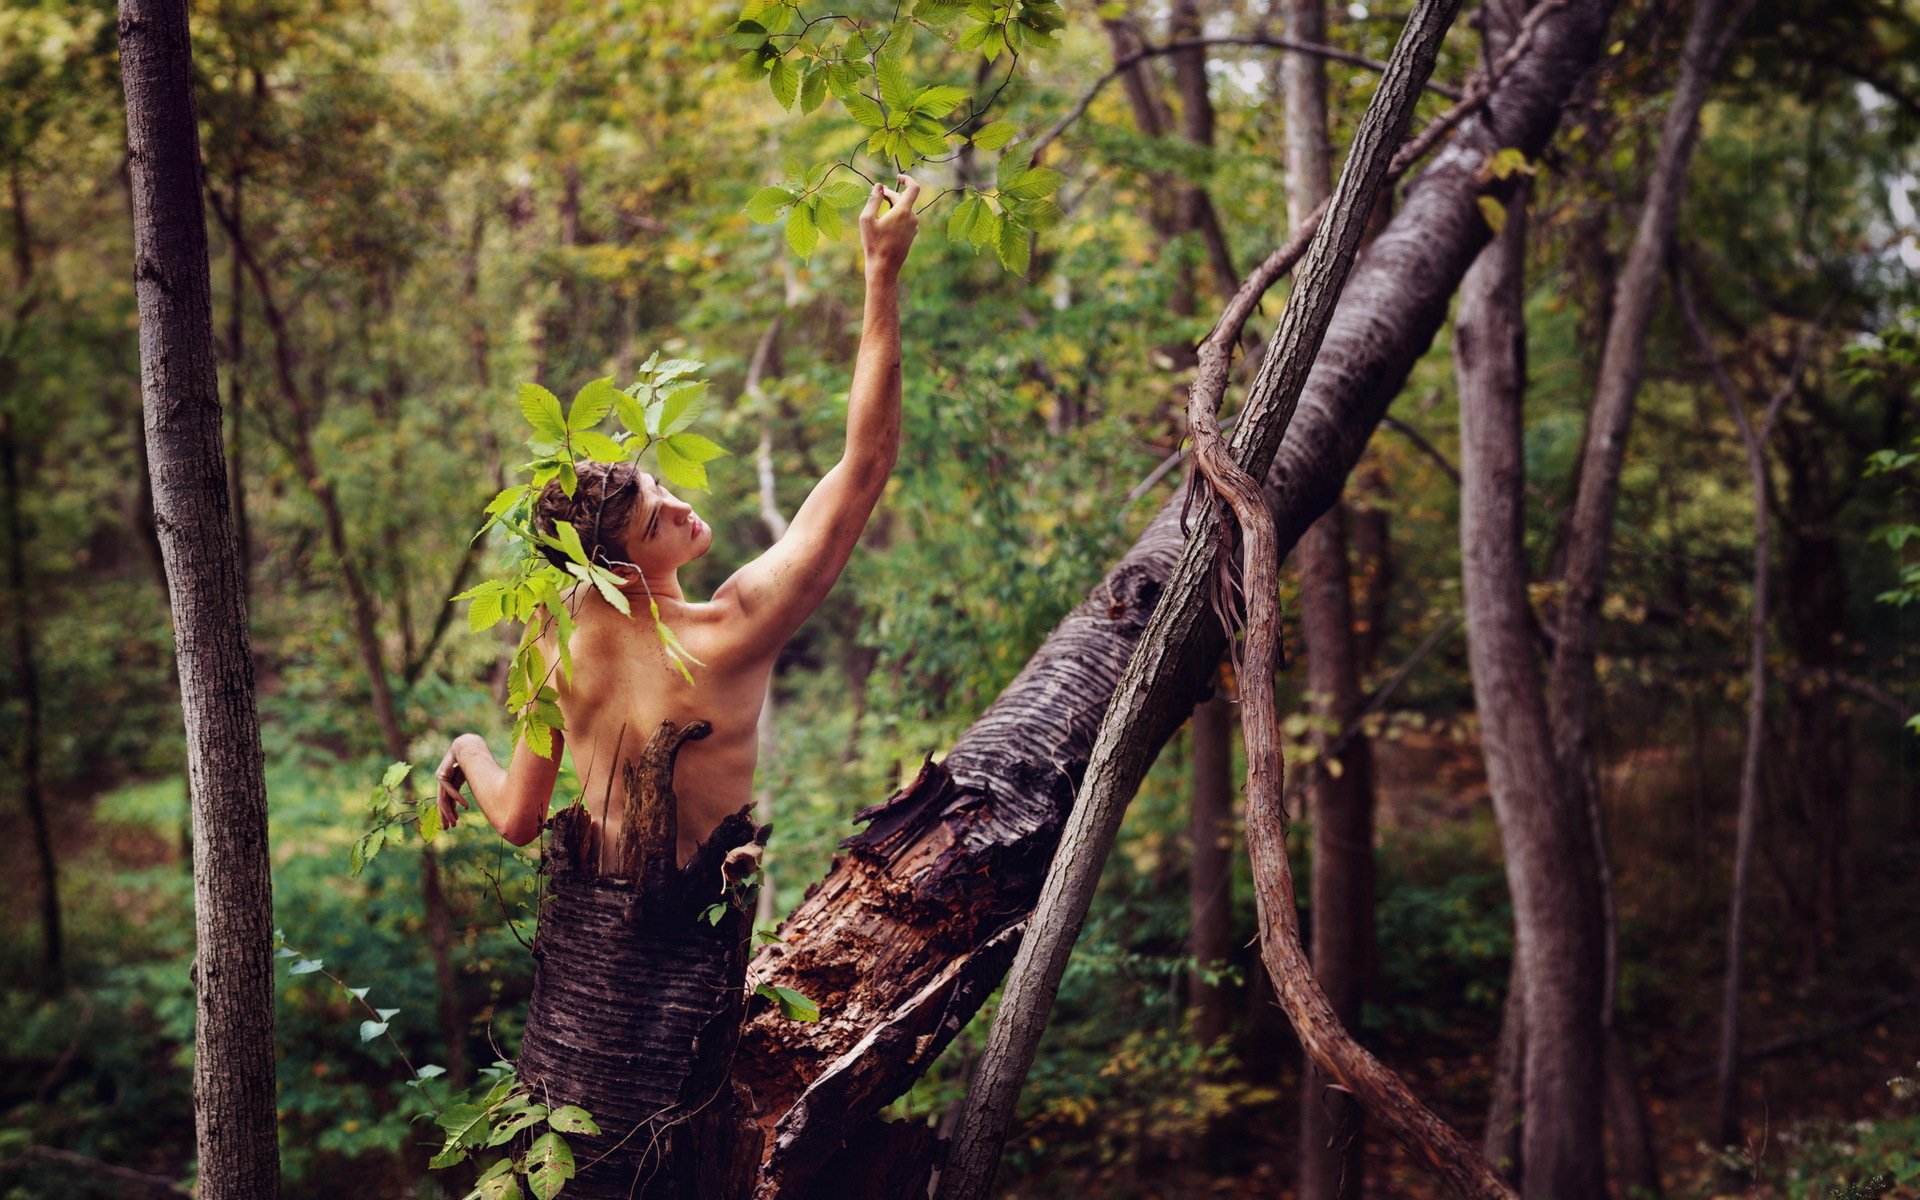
(1543, 824)
(233, 1066)
(912, 928)
(1339, 788)
(26, 666)
(1156, 672)
(237, 395)
(1210, 866)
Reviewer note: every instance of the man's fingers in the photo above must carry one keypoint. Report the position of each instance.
(872, 209)
(911, 191)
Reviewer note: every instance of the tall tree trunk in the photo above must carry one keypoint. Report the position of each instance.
(912, 928)
(236, 393)
(1210, 866)
(233, 1066)
(1157, 672)
(1543, 824)
(1339, 786)
(1572, 684)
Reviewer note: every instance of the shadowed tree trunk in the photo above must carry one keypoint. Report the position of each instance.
(1210, 865)
(911, 929)
(233, 1065)
(637, 994)
(1339, 787)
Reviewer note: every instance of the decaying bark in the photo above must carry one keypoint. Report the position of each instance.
(233, 1063)
(912, 927)
(638, 997)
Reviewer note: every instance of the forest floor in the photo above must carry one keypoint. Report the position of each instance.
(1842, 1012)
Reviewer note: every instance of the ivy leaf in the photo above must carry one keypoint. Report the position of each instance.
(571, 1118)
(430, 1071)
(370, 1030)
(549, 1165)
(542, 411)
(305, 966)
(765, 205)
(590, 404)
(802, 234)
(695, 448)
(358, 993)
(994, 136)
(794, 1006)
(680, 471)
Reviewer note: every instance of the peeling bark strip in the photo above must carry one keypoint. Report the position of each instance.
(233, 1065)
(956, 859)
(637, 999)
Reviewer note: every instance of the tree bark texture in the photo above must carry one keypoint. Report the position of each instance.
(911, 928)
(1544, 830)
(637, 997)
(233, 1068)
(1159, 664)
(1339, 786)
(1210, 865)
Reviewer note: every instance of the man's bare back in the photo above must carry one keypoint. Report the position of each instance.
(623, 685)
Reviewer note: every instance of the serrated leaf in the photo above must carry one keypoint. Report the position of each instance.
(802, 234)
(826, 219)
(430, 823)
(1014, 248)
(927, 143)
(395, 774)
(1033, 183)
(863, 109)
(682, 408)
(960, 221)
(542, 411)
(591, 404)
(894, 91)
(938, 12)
(680, 471)
(566, 539)
(549, 1165)
(764, 206)
(695, 448)
(994, 136)
(845, 77)
(674, 368)
(938, 101)
(571, 1118)
(843, 193)
(986, 227)
(370, 1030)
(485, 612)
(597, 446)
(813, 88)
(784, 81)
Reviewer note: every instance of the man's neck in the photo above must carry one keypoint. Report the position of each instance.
(659, 587)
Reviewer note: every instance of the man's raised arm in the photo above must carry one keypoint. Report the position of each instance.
(781, 588)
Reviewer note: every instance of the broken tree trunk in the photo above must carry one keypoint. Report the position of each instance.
(638, 996)
(913, 926)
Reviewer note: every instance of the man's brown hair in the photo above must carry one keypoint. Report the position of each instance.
(600, 509)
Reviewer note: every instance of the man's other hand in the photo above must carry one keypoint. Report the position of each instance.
(887, 225)
(450, 779)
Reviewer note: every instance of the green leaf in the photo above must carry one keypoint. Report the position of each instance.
(927, 143)
(747, 35)
(765, 205)
(1033, 183)
(591, 404)
(802, 234)
(485, 611)
(430, 823)
(542, 410)
(430, 1071)
(794, 1006)
(549, 1165)
(305, 966)
(674, 368)
(813, 88)
(939, 12)
(845, 77)
(784, 80)
(695, 448)
(450, 1155)
(680, 471)
(713, 914)
(465, 1124)
(370, 1030)
(395, 774)
(894, 91)
(960, 221)
(1014, 248)
(938, 101)
(505, 1130)
(505, 1186)
(682, 408)
(827, 219)
(566, 539)
(1494, 212)
(986, 227)
(863, 109)
(598, 446)
(571, 1118)
(994, 136)
(843, 193)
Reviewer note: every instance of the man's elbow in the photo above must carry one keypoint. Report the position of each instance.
(869, 470)
(521, 831)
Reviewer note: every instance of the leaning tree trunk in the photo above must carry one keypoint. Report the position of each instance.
(913, 926)
(233, 1067)
(638, 996)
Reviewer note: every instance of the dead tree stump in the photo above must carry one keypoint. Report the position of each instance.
(638, 995)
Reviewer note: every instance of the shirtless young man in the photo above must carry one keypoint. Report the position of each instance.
(623, 686)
